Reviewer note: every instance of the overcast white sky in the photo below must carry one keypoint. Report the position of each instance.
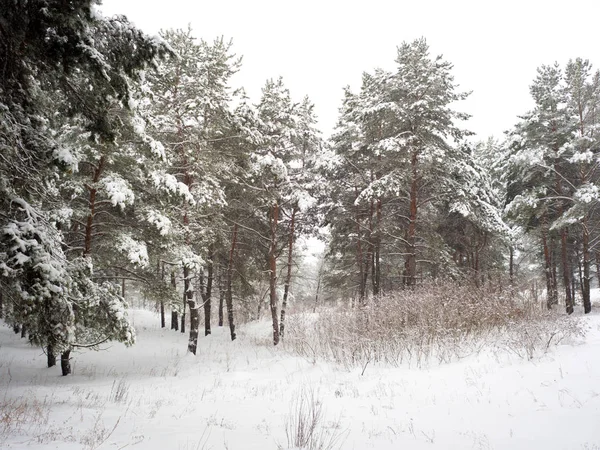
(320, 46)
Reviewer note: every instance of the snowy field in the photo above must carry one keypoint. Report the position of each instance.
(245, 395)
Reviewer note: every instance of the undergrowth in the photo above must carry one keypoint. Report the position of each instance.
(439, 322)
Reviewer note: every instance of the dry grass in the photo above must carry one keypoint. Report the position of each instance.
(304, 426)
(439, 322)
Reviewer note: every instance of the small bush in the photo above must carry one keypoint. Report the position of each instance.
(304, 427)
(438, 322)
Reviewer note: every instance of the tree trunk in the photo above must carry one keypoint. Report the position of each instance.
(598, 268)
(566, 271)
(410, 265)
(89, 226)
(183, 311)
(174, 318)
(585, 289)
(288, 275)
(194, 313)
(274, 219)
(359, 254)
(23, 331)
(511, 265)
(162, 300)
(50, 356)
(229, 294)
(550, 287)
(1, 304)
(65, 362)
(208, 294)
(377, 256)
(222, 291)
(319, 276)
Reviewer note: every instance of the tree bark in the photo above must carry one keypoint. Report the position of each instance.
(65, 362)
(359, 254)
(229, 294)
(162, 300)
(208, 294)
(585, 289)
(222, 292)
(551, 295)
(274, 219)
(288, 275)
(511, 265)
(174, 318)
(23, 331)
(89, 226)
(410, 265)
(566, 272)
(194, 313)
(51, 357)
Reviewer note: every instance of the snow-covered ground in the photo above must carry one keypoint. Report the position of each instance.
(243, 395)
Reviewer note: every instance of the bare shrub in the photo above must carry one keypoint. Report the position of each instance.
(304, 426)
(20, 414)
(437, 322)
(119, 391)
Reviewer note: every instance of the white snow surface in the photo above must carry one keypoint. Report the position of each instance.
(239, 395)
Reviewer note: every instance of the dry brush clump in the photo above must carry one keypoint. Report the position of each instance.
(438, 322)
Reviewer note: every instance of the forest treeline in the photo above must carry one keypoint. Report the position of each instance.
(128, 160)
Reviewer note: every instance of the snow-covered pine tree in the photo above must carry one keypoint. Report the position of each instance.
(189, 113)
(46, 49)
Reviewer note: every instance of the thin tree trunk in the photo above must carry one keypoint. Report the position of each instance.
(319, 276)
(183, 311)
(23, 331)
(511, 265)
(566, 271)
(174, 318)
(65, 362)
(288, 275)
(194, 313)
(222, 291)
(377, 258)
(208, 294)
(598, 268)
(411, 250)
(585, 290)
(359, 254)
(229, 294)
(162, 300)
(51, 357)
(550, 291)
(274, 219)
(1, 304)
(90, 219)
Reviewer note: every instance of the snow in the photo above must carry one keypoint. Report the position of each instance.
(118, 190)
(135, 251)
(241, 395)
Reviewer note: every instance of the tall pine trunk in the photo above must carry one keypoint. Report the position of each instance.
(194, 314)
(162, 300)
(174, 318)
(585, 289)
(51, 357)
(89, 226)
(410, 265)
(229, 281)
(222, 291)
(288, 275)
(362, 285)
(207, 300)
(551, 295)
(274, 220)
(65, 362)
(566, 271)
